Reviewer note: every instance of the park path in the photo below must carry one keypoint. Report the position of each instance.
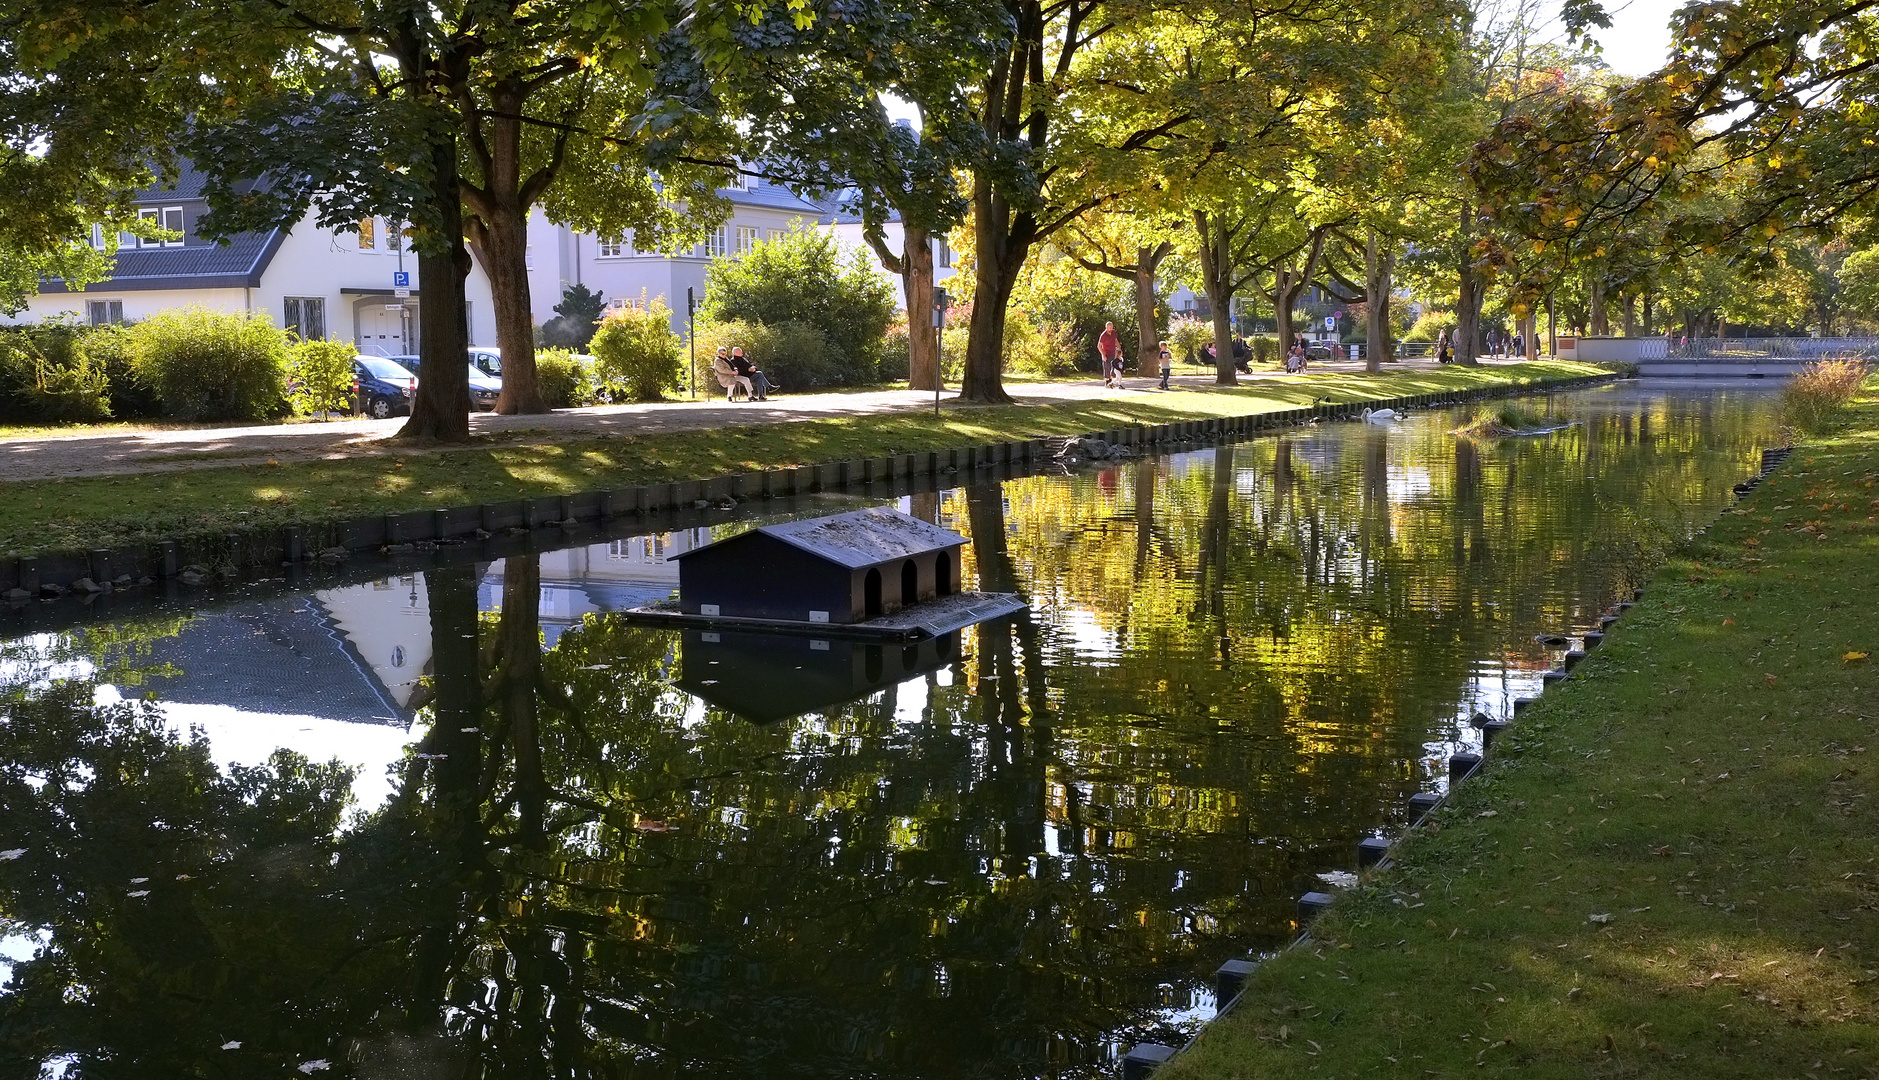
(127, 452)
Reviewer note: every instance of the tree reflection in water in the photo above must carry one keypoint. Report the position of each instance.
(1043, 837)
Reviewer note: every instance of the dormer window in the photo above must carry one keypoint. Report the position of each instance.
(169, 219)
(739, 181)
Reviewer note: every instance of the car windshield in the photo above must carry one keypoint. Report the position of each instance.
(383, 369)
(478, 375)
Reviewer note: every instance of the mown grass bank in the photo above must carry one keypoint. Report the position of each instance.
(1670, 866)
(97, 512)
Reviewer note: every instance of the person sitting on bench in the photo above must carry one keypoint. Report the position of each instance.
(728, 377)
(752, 373)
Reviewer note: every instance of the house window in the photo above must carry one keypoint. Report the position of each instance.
(305, 316)
(394, 234)
(97, 237)
(739, 182)
(621, 303)
(942, 253)
(747, 236)
(173, 222)
(368, 234)
(618, 248)
(104, 312)
(718, 243)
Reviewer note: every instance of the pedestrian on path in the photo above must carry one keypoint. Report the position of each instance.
(1441, 347)
(1110, 347)
(1167, 364)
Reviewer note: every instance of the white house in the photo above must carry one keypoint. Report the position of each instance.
(847, 229)
(561, 257)
(321, 283)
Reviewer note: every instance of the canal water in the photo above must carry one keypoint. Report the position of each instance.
(468, 822)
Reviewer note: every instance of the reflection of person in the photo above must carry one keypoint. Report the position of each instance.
(1167, 364)
(761, 384)
(728, 377)
(1110, 348)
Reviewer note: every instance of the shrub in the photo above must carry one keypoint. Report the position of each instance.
(210, 365)
(565, 383)
(1034, 348)
(1430, 325)
(1187, 337)
(47, 376)
(1266, 350)
(791, 354)
(636, 350)
(896, 354)
(1814, 397)
(319, 376)
(131, 396)
(802, 277)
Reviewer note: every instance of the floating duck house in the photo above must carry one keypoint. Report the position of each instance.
(841, 569)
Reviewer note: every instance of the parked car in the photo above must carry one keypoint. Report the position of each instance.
(484, 389)
(382, 387)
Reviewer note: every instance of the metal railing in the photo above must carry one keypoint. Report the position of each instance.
(1766, 348)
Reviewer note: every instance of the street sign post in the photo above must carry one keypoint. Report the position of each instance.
(940, 303)
(691, 334)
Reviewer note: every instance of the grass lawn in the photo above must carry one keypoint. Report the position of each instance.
(107, 511)
(1670, 867)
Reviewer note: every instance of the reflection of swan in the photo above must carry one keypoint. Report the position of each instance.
(1382, 416)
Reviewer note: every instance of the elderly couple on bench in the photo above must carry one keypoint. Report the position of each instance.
(735, 372)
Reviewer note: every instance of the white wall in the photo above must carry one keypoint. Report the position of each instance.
(311, 262)
(851, 236)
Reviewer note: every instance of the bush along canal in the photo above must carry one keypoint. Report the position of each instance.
(456, 814)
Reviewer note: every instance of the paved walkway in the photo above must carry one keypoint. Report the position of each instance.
(120, 452)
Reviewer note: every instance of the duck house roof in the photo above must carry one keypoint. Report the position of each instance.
(855, 539)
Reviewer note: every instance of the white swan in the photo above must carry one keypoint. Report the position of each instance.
(1382, 416)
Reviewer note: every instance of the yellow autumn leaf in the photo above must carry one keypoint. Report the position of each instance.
(1854, 657)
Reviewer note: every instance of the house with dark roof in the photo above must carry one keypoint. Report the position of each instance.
(561, 257)
(322, 283)
(843, 568)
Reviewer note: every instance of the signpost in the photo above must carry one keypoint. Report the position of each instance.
(940, 303)
(691, 334)
(401, 283)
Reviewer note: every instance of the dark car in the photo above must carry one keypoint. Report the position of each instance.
(382, 387)
(484, 388)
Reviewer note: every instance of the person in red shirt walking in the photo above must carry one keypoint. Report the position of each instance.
(1110, 347)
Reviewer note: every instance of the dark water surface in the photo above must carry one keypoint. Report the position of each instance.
(468, 823)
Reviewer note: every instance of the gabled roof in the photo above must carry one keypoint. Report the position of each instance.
(236, 264)
(855, 539)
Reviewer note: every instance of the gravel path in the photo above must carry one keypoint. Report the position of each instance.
(118, 453)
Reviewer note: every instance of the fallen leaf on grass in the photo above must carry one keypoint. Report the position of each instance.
(1598, 918)
(1853, 657)
(1770, 680)
(11, 854)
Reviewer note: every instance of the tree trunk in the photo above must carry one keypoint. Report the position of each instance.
(498, 233)
(1628, 311)
(1378, 266)
(1217, 277)
(441, 409)
(1552, 328)
(923, 358)
(1003, 243)
(914, 266)
(1148, 341)
(1468, 299)
(1530, 337)
(1601, 326)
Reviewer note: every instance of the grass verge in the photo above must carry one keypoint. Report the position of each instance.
(108, 511)
(1669, 867)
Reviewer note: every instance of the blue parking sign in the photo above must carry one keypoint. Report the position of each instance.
(401, 279)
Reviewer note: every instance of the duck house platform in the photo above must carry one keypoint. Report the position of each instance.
(931, 619)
